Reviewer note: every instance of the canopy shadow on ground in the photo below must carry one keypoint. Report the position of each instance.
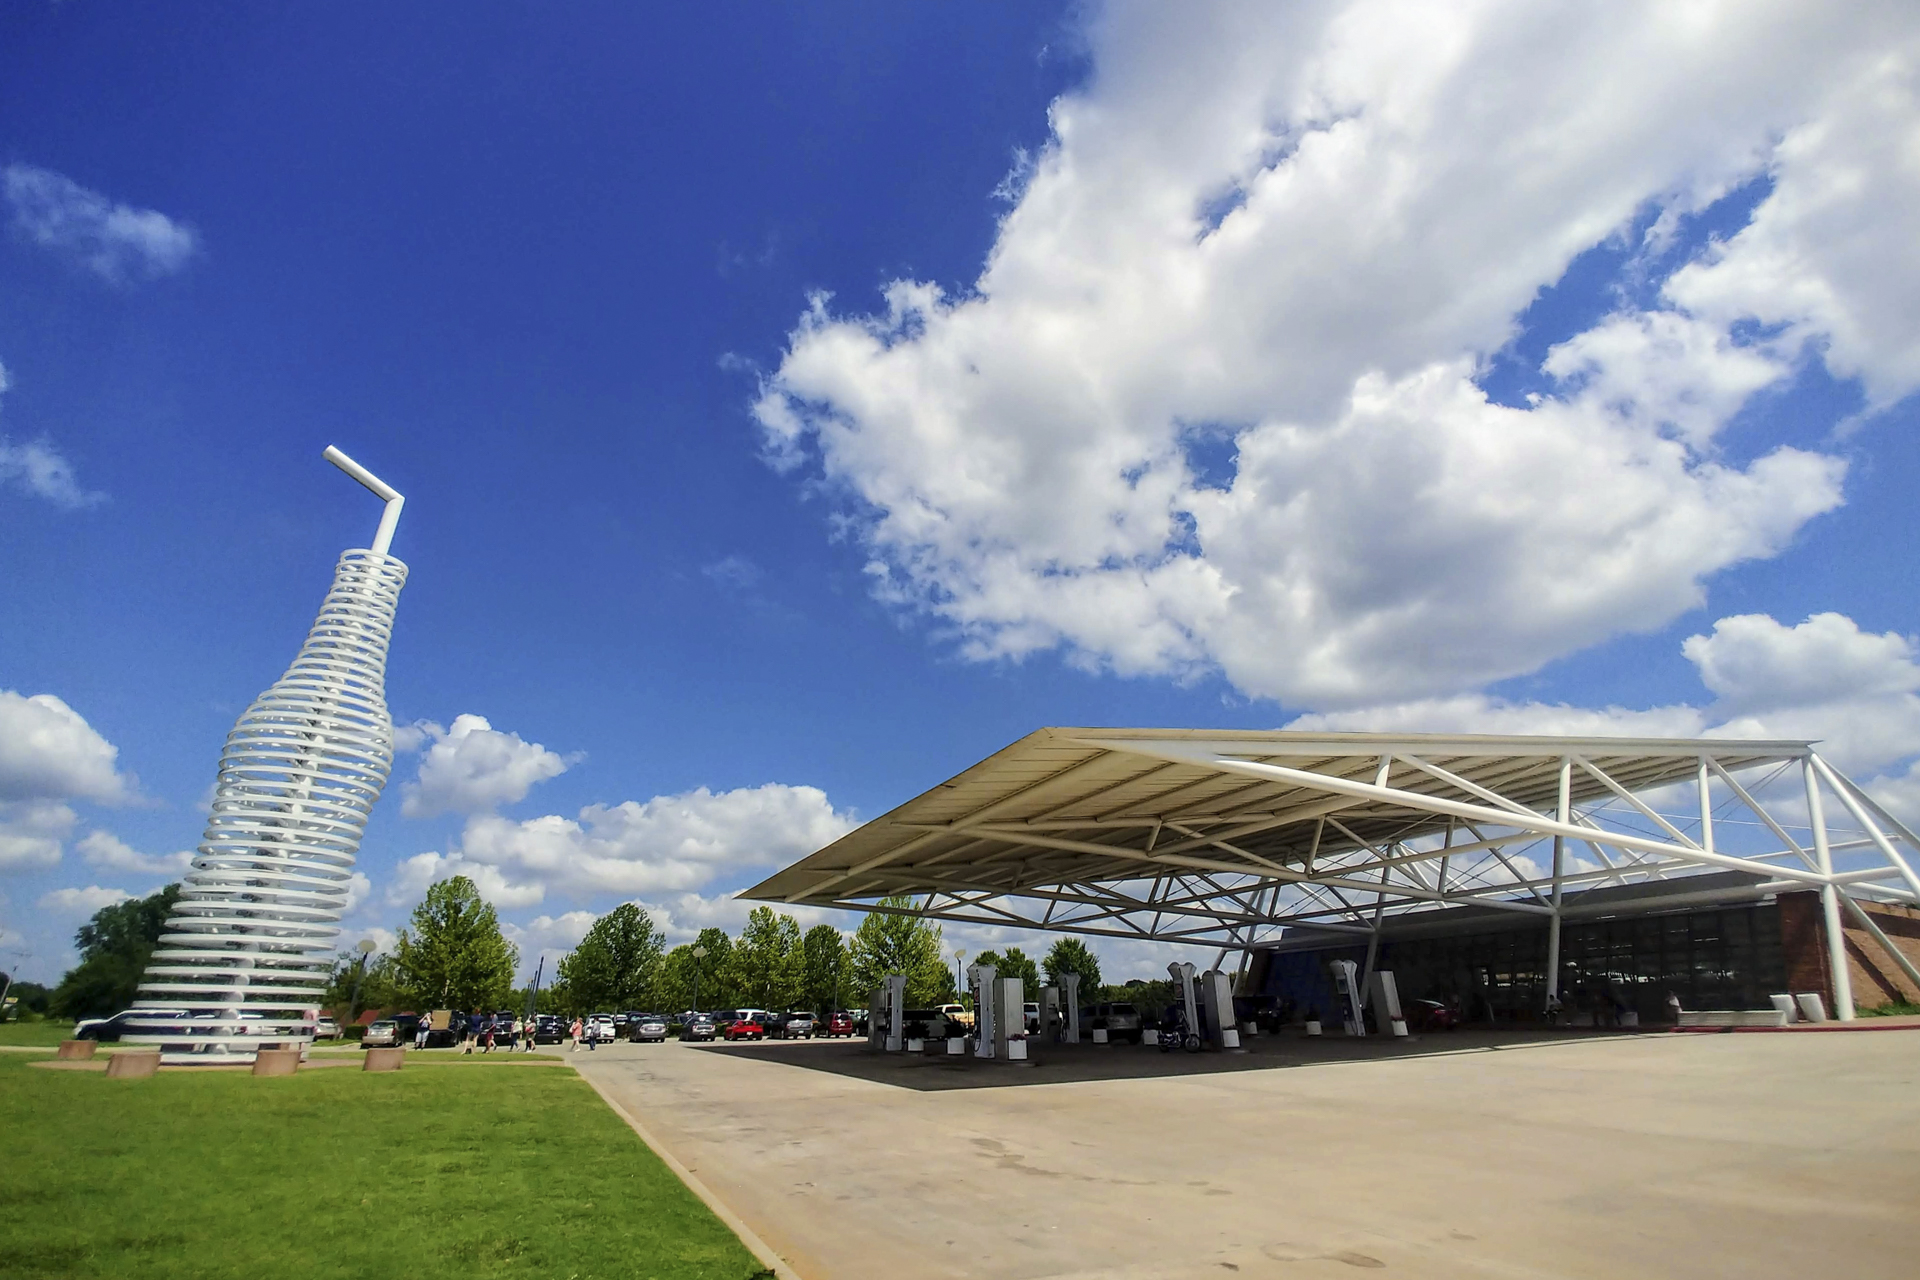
(1068, 1063)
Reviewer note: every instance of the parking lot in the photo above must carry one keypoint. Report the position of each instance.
(1469, 1155)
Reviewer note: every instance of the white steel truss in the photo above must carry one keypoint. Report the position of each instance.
(1230, 838)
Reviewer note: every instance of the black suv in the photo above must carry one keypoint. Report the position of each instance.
(549, 1028)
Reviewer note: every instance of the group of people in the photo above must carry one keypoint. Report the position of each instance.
(486, 1031)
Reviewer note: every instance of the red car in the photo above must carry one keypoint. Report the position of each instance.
(744, 1029)
(839, 1024)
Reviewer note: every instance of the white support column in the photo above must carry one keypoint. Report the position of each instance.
(1564, 813)
(1705, 779)
(1829, 900)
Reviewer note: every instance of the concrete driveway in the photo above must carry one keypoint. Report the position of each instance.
(1652, 1155)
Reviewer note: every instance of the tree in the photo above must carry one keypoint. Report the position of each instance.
(614, 965)
(673, 982)
(1070, 955)
(115, 946)
(1014, 963)
(767, 961)
(379, 987)
(454, 956)
(713, 973)
(823, 967)
(886, 943)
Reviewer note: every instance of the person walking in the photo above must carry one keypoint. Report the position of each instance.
(473, 1032)
(575, 1031)
(488, 1030)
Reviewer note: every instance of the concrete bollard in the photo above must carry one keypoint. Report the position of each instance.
(79, 1049)
(1099, 1035)
(133, 1066)
(1150, 1035)
(384, 1060)
(276, 1062)
(956, 1046)
(1313, 1026)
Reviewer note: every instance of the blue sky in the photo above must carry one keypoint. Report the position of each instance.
(797, 405)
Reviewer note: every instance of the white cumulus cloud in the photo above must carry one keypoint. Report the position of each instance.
(81, 902)
(668, 843)
(104, 849)
(471, 767)
(48, 751)
(1854, 692)
(1292, 236)
(117, 242)
(32, 831)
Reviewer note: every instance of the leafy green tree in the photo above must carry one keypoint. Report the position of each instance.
(115, 945)
(453, 956)
(823, 968)
(28, 998)
(1015, 963)
(673, 983)
(379, 988)
(714, 973)
(552, 998)
(886, 943)
(614, 965)
(1070, 955)
(767, 960)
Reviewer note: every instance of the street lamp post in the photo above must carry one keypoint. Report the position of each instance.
(365, 947)
(960, 973)
(699, 954)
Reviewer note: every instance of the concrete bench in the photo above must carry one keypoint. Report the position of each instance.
(276, 1062)
(134, 1065)
(384, 1060)
(70, 1049)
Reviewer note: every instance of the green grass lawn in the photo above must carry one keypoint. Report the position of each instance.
(36, 1033)
(492, 1170)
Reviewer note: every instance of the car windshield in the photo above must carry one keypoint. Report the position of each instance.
(1123, 1008)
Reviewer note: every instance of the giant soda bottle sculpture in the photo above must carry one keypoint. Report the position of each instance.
(244, 958)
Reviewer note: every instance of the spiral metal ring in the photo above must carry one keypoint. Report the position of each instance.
(244, 958)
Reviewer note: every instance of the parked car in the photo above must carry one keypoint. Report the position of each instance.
(697, 1026)
(839, 1023)
(381, 1034)
(1121, 1021)
(797, 1024)
(646, 1028)
(1030, 1017)
(744, 1026)
(325, 1028)
(958, 1013)
(1432, 1015)
(109, 1030)
(549, 1028)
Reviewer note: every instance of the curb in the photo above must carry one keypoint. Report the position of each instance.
(760, 1249)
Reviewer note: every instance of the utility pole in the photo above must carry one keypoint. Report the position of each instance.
(365, 948)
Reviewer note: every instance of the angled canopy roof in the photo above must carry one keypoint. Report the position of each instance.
(1224, 836)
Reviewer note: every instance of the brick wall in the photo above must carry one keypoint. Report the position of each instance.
(1876, 978)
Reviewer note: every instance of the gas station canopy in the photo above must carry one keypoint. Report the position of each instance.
(1227, 838)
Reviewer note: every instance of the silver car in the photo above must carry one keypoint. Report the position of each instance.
(648, 1030)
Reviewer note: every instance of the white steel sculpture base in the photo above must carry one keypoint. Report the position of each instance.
(243, 962)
